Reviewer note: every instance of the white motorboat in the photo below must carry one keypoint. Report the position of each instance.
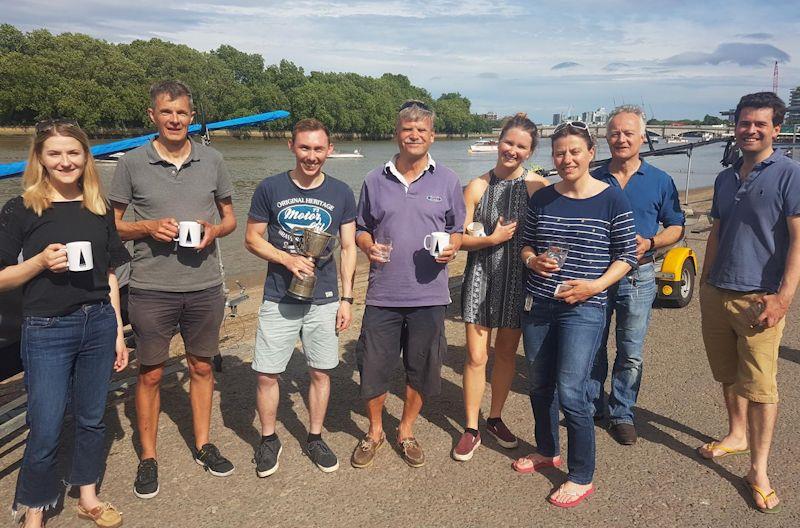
(346, 155)
(483, 146)
(111, 159)
(676, 139)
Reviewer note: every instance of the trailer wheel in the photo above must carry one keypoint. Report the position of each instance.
(687, 285)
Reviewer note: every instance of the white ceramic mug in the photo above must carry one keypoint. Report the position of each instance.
(79, 256)
(189, 234)
(436, 242)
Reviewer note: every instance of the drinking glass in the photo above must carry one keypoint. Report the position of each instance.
(753, 312)
(558, 253)
(385, 248)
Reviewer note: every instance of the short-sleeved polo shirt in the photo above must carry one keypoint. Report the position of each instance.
(157, 189)
(753, 232)
(652, 195)
(389, 207)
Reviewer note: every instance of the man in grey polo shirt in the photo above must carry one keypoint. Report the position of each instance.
(168, 180)
(401, 203)
(750, 274)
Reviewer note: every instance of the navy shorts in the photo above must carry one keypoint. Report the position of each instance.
(415, 333)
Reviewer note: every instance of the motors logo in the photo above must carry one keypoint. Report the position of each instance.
(301, 215)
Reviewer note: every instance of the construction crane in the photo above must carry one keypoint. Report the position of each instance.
(775, 79)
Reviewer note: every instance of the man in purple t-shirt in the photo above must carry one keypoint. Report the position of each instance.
(401, 203)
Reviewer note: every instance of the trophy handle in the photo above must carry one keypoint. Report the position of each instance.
(333, 243)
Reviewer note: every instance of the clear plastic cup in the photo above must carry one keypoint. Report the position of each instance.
(559, 254)
(385, 248)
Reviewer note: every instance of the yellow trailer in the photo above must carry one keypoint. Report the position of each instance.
(675, 281)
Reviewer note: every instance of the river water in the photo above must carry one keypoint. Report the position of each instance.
(251, 160)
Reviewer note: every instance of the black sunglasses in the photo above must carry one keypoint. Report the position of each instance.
(580, 125)
(413, 102)
(48, 124)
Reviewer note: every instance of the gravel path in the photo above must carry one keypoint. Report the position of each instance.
(658, 482)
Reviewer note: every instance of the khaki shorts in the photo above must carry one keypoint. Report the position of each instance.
(744, 357)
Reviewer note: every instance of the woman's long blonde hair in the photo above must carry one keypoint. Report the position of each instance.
(36, 180)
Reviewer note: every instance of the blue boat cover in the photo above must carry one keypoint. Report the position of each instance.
(101, 151)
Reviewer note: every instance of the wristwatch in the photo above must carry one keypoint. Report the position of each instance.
(347, 299)
(652, 243)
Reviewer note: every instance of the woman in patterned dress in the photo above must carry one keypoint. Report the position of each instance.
(491, 295)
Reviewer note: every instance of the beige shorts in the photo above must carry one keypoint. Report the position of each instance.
(739, 355)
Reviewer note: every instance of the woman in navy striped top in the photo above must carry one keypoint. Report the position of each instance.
(564, 312)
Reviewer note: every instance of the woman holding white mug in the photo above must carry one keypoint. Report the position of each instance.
(72, 329)
(491, 295)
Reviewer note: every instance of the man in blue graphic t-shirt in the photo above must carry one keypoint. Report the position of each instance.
(304, 197)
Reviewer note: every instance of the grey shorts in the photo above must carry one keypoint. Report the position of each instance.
(280, 325)
(156, 316)
(416, 333)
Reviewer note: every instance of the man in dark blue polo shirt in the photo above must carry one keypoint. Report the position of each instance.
(654, 200)
(750, 274)
(403, 203)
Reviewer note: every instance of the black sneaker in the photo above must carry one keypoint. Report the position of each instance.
(322, 456)
(266, 457)
(213, 462)
(623, 433)
(146, 484)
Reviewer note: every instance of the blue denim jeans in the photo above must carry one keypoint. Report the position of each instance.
(560, 343)
(74, 353)
(631, 299)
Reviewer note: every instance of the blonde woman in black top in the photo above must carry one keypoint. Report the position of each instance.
(72, 330)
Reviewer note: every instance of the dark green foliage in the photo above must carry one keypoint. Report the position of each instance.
(104, 85)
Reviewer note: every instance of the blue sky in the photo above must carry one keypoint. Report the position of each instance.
(679, 58)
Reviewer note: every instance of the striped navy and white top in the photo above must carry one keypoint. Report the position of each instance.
(596, 231)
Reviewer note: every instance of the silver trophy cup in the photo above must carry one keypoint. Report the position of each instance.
(314, 245)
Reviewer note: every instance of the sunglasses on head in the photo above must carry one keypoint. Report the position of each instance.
(413, 102)
(48, 124)
(580, 125)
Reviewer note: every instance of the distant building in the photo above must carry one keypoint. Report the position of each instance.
(489, 116)
(592, 117)
(793, 110)
(730, 115)
(595, 117)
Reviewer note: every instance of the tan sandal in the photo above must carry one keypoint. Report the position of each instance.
(105, 515)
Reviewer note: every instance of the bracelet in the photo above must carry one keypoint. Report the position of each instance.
(528, 260)
(346, 299)
(652, 243)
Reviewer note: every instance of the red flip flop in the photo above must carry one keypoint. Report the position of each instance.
(556, 462)
(571, 504)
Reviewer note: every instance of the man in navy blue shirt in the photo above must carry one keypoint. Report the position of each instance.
(750, 274)
(306, 198)
(654, 200)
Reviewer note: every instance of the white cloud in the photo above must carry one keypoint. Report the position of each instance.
(501, 54)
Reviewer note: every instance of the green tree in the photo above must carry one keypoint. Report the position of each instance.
(106, 85)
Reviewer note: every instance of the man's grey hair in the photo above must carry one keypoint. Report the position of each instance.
(629, 109)
(172, 89)
(416, 113)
